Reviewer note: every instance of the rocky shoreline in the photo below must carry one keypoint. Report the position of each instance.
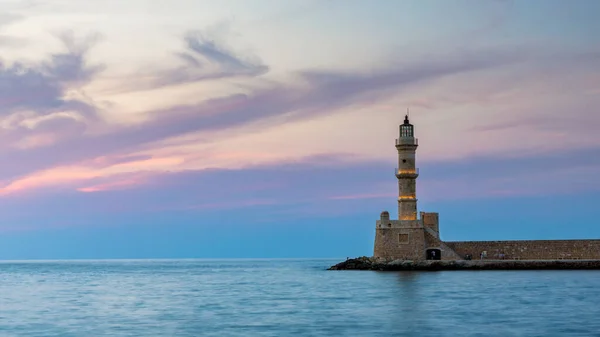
(370, 263)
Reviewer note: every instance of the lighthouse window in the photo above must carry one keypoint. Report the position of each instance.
(406, 131)
(403, 238)
(404, 160)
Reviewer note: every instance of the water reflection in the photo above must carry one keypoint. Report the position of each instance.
(408, 292)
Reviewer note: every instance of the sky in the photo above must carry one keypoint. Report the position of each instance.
(265, 128)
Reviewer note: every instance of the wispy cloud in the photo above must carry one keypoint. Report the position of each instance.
(111, 186)
(55, 133)
(63, 132)
(205, 58)
(325, 185)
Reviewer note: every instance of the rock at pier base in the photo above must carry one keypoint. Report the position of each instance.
(371, 263)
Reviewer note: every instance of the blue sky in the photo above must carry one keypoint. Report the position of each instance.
(266, 128)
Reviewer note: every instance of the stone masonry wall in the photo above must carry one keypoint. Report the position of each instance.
(529, 249)
(400, 243)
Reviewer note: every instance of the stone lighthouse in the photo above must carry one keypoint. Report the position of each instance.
(406, 172)
(415, 236)
(409, 237)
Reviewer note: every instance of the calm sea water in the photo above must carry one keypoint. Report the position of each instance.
(289, 298)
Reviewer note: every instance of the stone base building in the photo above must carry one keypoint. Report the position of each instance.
(417, 236)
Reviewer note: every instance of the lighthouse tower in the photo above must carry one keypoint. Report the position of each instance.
(406, 172)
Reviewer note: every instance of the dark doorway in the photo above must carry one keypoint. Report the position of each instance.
(434, 254)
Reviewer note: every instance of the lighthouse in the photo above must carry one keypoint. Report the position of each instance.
(406, 172)
(410, 236)
(415, 236)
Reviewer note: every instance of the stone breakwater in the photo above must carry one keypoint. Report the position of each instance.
(370, 263)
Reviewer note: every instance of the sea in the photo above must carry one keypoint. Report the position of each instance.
(288, 297)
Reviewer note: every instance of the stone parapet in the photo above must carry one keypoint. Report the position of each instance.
(528, 249)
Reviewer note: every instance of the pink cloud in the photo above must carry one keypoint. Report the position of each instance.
(115, 185)
(88, 155)
(36, 140)
(47, 178)
(70, 175)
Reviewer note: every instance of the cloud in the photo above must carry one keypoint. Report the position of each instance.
(111, 186)
(53, 130)
(117, 175)
(314, 186)
(70, 68)
(331, 86)
(7, 19)
(205, 58)
(36, 113)
(26, 88)
(41, 88)
(208, 59)
(319, 93)
(305, 182)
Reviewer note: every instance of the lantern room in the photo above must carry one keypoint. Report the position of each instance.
(406, 129)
